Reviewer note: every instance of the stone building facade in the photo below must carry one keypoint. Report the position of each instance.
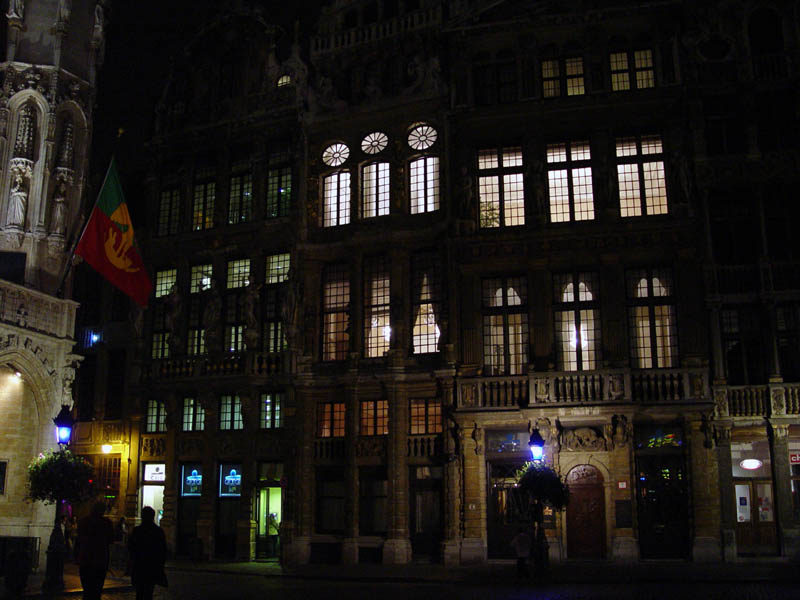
(50, 57)
(384, 255)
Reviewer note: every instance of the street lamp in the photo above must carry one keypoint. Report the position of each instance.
(57, 548)
(536, 444)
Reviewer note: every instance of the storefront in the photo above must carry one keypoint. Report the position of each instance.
(229, 493)
(754, 494)
(191, 489)
(269, 509)
(154, 476)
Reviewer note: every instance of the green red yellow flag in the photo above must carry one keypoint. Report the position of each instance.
(108, 244)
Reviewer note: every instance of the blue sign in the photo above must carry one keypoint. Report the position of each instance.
(230, 480)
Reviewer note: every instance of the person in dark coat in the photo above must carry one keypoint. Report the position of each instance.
(147, 547)
(95, 535)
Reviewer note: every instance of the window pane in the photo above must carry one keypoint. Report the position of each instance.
(655, 188)
(277, 268)
(489, 189)
(336, 199)
(424, 184)
(582, 191)
(514, 200)
(200, 278)
(629, 195)
(238, 273)
(375, 190)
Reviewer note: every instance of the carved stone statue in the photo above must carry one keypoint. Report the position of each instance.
(622, 430)
(16, 9)
(172, 317)
(466, 194)
(59, 215)
(249, 303)
(538, 179)
(18, 201)
(583, 438)
(97, 31)
(291, 307)
(64, 10)
(212, 313)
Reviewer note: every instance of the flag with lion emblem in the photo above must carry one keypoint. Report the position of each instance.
(108, 245)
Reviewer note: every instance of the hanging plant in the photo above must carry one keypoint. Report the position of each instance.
(542, 483)
(61, 475)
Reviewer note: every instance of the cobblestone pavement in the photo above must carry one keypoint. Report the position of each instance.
(201, 586)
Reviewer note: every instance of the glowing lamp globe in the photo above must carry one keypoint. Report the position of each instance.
(64, 423)
(536, 444)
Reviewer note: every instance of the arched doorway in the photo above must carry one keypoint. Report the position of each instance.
(586, 513)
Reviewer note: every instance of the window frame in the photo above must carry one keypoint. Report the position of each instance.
(503, 184)
(279, 189)
(379, 205)
(651, 302)
(169, 211)
(193, 415)
(331, 420)
(240, 203)
(490, 314)
(336, 317)
(204, 199)
(430, 195)
(576, 307)
(426, 265)
(641, 160)
(270, 412)
(574, 170)
(631, 70)
(156, 416)
(235, 420)
(340, 201)
(376, 301)
(425, 427)
(562, 78)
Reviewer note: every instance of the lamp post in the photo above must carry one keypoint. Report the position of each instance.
(57, 547)
(536, 444)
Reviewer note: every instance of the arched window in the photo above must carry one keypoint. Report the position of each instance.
(505, 325)
(423, 171)
(577, 321)
(651, 317)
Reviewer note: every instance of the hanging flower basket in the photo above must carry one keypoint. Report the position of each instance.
(61, 475)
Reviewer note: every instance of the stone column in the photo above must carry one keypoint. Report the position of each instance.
(772, 336)
(205, 518)
(788, 530)
(453, 449)
(298, 551)
(620, 465)
(131, 510)
(727, 505)
(245, 521)
(397, 548)
(716, 345)
(705, 492)
(169, 522)
(473, 547)
(350, 541)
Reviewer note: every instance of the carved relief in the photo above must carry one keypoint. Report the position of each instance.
(622, 430)
(469, 396)
(154, 447)
(370, 446)
(778, 398)
(721, 408)
(541, 390)
(615, 389)
(584, 474)
(582, 439)
(697, 386)
(477, 437)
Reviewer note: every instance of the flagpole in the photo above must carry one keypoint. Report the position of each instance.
(84, 225)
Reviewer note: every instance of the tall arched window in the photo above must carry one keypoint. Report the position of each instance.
(423, 171)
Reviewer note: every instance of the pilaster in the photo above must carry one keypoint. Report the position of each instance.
(705, 494)
(397, 548)
(726, 500)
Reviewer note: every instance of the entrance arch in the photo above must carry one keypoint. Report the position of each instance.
(586, 513)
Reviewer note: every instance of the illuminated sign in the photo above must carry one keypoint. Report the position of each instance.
(794, 458)
(155, 473)
(230, 480)
(191, 480)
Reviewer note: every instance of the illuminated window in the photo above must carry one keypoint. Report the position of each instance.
(563, 77)
(169, 212)
(651, 318)
(424, 184)
(238, 273)
(374, 143)
(336, 313)
(502, 197)
(284, 80)
(422, 136)
(505, 325)
(375, 190)
(425, 416)
(203, 205)
(156, 419)
(194, 415)
(426, 303)
(377, 324)
(279, 185)
(640, 176)
(374, 417)
(201, 278)
(274, 335)
(164, 282)
(270, 417)
(577, 321)
(230, 413)
(632, 70)
(569, 182)
(240, 200)
(336, 197)
(330, 419)
(335, 154)
(277, 268)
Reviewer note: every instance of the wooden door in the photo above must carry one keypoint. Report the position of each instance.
(586, 513)
(755, 518)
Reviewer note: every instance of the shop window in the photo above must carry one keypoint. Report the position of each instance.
(750, 460)
(577, 321)
(194, 415)
(191, 480)
(427, 303)
(271, 404)
(569, 179)
(374, 417)
(330, 419)
(240, 198)
(230, 413)
(336, 313)
(169, 212)
(377, 295)
(501, 189)
(230, 480)
(156, 418)
(794, 468)
(505, 325)
(640, 176)
(651, 317)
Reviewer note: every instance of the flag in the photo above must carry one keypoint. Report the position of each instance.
(108, 245)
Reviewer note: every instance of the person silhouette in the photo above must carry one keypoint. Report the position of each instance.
(147, 547)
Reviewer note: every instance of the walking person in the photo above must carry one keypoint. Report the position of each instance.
(95, 535)
(521, 543)
(147, 547)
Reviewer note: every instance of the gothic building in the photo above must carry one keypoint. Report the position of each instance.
(50, 56)
(386, 253)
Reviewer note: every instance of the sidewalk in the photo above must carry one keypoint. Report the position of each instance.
(491, 574)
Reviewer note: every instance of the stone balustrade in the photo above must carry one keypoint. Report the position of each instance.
(36, 311)
(646, 386)
(769, 400)
(244, 363)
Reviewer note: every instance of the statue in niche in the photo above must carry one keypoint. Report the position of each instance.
(537, 177)
(211, 317)
(174, 306)
(97, 31)
(18, 201)
(64, 10)
(291, 307)
(58, 218)
(622, 430)
(466, 194)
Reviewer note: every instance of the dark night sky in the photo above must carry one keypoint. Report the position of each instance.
(141, 37)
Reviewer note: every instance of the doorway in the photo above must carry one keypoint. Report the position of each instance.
(586, 513)
(508, 508)
(425, 513)
(663, 505)
(755, 518)
(268, 519)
